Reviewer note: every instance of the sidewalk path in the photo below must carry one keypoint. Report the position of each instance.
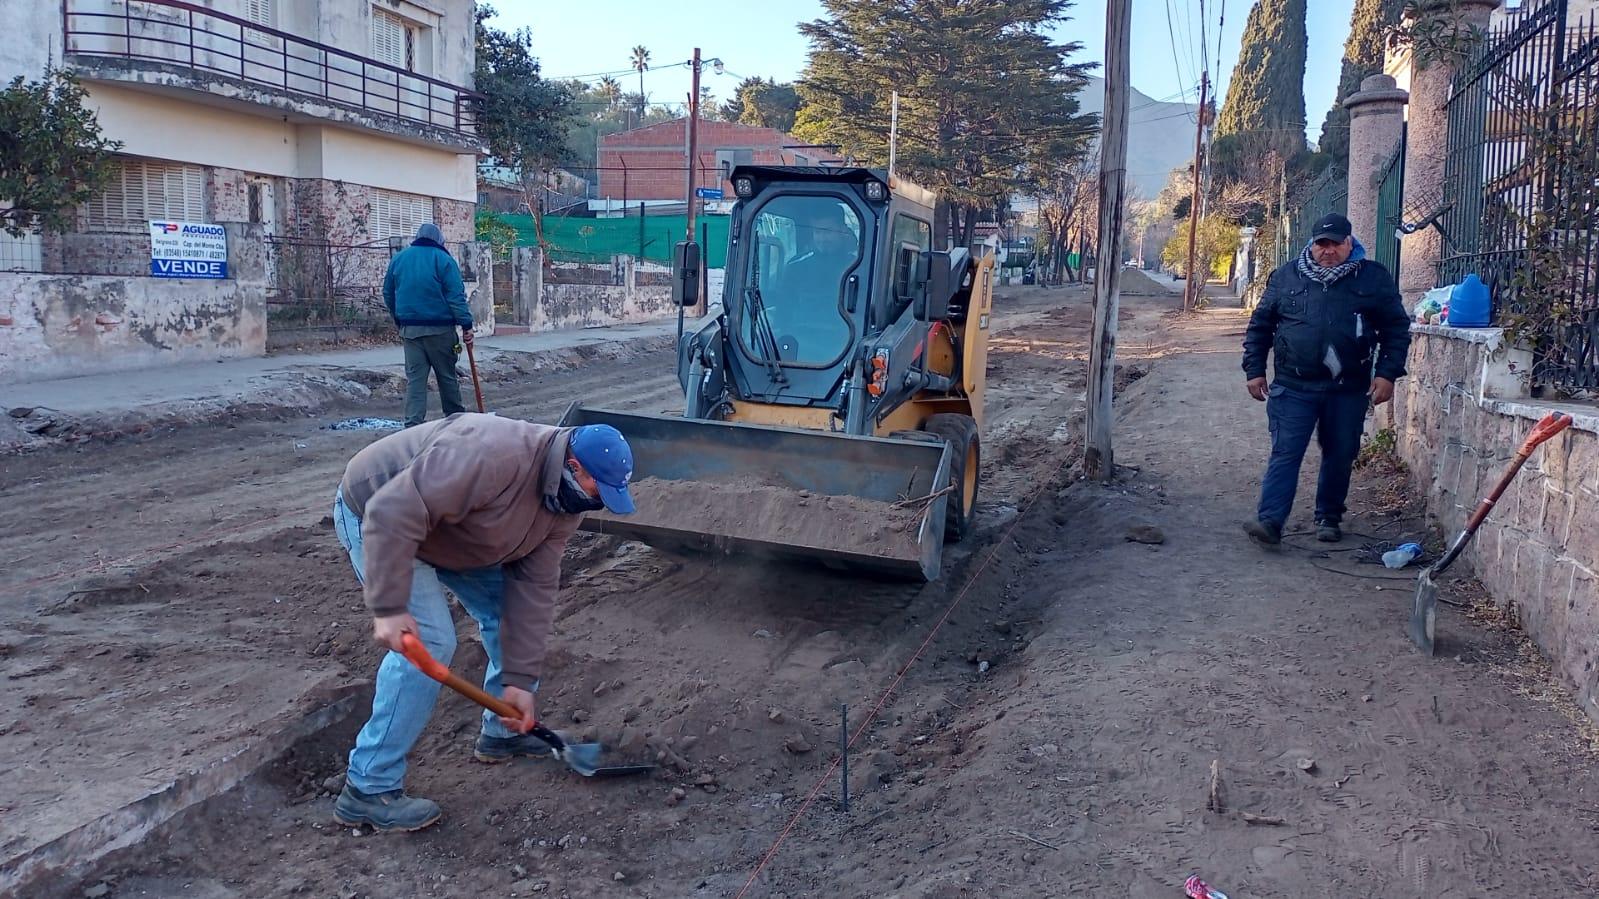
(130, 400)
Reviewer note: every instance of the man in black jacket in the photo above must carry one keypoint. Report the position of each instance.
(1331, 319)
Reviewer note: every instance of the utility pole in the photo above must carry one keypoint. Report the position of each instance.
(1190, 290)
(691, 156)
(1098, 459)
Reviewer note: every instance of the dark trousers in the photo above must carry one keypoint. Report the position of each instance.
(435, 353)
(1337, 418)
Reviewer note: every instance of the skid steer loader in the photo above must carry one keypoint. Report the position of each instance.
(847, 359)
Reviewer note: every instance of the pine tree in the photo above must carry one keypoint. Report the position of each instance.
(1363, 57)
(1266, 95)
(987, 98)
(763, 103)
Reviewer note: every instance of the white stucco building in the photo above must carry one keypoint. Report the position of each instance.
(341, 122)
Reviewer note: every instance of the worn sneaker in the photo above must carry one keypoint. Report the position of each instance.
(1266, 533)
(502, 749)
(385, 811)
(1328, 532)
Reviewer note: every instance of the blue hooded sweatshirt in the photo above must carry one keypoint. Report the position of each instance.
(423, 284)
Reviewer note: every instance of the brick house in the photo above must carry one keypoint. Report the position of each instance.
(647, 164)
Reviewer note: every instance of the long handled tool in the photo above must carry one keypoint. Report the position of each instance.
(471, 362)
(1424, 609)
(584, 758)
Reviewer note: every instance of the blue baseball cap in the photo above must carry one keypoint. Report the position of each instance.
(604, 454)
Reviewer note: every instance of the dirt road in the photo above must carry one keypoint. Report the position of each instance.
(1076, 761)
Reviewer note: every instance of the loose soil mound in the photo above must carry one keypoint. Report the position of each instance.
(753, 509)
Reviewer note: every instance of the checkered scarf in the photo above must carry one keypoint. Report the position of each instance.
(1326, 277)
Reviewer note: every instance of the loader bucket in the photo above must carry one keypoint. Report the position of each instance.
(767, 492)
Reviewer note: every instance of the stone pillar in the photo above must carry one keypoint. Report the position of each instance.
(1428, 147)
(1376, 122)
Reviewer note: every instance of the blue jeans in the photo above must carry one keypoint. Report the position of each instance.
(1337, 418)
(402, 699)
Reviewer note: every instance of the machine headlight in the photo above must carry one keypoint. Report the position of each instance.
(876, 190)
(744, 187)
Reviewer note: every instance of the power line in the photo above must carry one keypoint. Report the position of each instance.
(1171, 36)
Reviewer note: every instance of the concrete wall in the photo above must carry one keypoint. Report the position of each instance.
(63, 325)
(167, 127)
(571, 295)
(1460, 417)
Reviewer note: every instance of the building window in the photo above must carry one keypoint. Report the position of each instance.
(142, 190)
(395, 214)
(394, 40)
(261, 12)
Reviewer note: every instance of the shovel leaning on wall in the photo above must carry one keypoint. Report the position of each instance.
(1424, 608)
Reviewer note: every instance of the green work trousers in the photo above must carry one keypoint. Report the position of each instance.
(435, 353)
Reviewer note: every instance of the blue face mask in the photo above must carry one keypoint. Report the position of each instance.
(570, 498)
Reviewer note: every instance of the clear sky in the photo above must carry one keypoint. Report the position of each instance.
(586, 39)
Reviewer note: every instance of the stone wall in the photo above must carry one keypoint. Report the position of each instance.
(1460, 416)
(573, 295)
(63, 325)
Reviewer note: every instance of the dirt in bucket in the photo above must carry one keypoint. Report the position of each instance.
(755, 509)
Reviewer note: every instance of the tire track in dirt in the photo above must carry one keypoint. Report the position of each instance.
(658, 657)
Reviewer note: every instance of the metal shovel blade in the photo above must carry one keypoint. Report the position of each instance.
(1424, 613)
(584, 758)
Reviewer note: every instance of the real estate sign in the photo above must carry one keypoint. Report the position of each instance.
(188, 250)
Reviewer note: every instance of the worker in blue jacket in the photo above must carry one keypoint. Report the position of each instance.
(426, 297)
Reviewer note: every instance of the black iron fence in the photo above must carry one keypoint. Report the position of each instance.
(1329, 192)
(1390, 211)
(193, 37)
(1521, 182)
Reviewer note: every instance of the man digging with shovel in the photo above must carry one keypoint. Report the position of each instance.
(483, 506)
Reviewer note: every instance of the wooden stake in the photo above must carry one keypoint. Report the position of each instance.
(1098, 458)
(1215, 803)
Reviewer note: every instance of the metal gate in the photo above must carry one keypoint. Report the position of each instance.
(1522, 175)
(1390, 211)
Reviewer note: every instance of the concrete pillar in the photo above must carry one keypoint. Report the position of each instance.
(1376, 122)
(1428, 147)
(1244, 262)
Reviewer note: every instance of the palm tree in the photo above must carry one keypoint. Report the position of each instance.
(641, 63)
(611, 89)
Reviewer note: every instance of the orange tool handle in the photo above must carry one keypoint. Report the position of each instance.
(413, 649)
(1547, 427)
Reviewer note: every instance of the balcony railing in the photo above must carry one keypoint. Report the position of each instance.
(193, 37)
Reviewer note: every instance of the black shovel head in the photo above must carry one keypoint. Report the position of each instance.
(1424, 613)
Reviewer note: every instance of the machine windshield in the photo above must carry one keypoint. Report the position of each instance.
(804, 248)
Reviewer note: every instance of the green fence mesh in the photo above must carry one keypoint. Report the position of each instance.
(597, 240)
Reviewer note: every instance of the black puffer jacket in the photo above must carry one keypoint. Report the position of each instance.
(1359, 317)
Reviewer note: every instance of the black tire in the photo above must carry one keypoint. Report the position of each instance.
(965, 470)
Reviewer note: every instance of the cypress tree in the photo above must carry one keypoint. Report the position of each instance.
(1363, 57)
(1266, 96)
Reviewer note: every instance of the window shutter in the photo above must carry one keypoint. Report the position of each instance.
(261, 12)
(388, 37)
(146, 189)
(396, 214)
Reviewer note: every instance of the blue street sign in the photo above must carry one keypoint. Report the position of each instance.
(708, 193)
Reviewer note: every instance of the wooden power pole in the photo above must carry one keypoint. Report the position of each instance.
(1098, 460)
(691, 156)
(1192, 286)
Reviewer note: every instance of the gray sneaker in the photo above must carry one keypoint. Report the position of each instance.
(1265, 533)
(385, 811)
(502, 749)
(1328, 532)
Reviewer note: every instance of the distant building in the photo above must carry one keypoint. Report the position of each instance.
(649, 164)
(335, 122)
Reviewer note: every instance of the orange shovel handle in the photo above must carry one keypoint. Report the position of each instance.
(413, 649)
(1547, 427)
